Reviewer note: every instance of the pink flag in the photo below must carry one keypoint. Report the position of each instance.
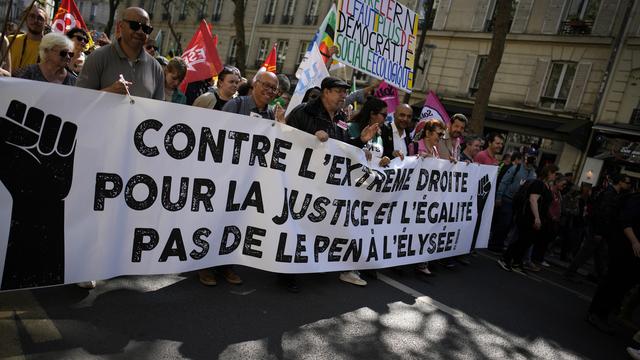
(434, 109)
(389, 94)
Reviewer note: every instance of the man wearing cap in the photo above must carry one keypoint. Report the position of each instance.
(324, 118)
(143, 74)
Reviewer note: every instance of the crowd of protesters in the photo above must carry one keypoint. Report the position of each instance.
(537, 209)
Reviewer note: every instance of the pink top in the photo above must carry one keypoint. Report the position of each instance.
(423, 151)
(485, 158)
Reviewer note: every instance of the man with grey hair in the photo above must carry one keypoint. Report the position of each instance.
(256, 104)
(473, 147)
(143, 74)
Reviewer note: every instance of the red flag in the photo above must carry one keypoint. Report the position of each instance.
(270, 62)
(201, 57)
(68, 17)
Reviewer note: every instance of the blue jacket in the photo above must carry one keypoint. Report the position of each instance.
(513, 178)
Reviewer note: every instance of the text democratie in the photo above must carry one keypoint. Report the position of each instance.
(210, 146)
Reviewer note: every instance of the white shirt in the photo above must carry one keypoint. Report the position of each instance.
(398, 140)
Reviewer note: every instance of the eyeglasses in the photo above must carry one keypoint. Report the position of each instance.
(149, 47)
(81, 38)
(136, 25)
(65, 53)
(268, 87)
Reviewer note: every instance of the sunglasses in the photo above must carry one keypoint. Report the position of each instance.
(149, 47)
(65, 53)
(81, 38)
(136, 25)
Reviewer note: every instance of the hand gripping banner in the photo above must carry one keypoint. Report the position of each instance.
(111, 189)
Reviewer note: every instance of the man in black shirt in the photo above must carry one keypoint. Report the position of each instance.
(532, 218)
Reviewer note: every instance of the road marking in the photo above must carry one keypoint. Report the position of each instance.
(547, 281)
(420, 296)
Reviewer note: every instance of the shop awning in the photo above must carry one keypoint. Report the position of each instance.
(622, 129)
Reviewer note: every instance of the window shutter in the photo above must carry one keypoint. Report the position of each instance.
(441, 15)
(555, 12)
(467, 74)
(537, 82)
(480, 17)
(574, 99)
(606, 16)
(521, 17)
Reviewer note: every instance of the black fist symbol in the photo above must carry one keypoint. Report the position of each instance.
(37, 153)
(484, 188)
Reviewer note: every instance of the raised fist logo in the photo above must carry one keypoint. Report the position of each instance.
(36, 153)
(484, 188)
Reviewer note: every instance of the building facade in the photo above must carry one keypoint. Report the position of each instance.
(549, 82)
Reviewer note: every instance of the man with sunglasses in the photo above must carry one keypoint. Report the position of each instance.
(256, 104)
(126, 56)
(24, 48)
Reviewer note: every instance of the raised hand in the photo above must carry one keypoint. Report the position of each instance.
(37, 154)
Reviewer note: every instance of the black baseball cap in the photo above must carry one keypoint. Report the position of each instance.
(331, 82)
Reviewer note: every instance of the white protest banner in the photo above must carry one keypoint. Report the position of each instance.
(110, 188)
(378, 38)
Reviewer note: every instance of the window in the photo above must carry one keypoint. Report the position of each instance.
(491, 22)
(283, 47)
(580, 17)
(263, 50)
(477, 78)
(94, 10)
(558, 85)
(360, 76)
(311, 17)
(301, 52)
(183, 10)
(289, 10)
(233, 48)
(270, 14)
(217, 10)
(152, 4)
(202, 10)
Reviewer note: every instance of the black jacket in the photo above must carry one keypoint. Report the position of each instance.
(312, 117)
(606, 208)
(387, 140)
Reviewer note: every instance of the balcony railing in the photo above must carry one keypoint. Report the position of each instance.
(311, 19)
(269, 18)
(287, 19)
(576, 27)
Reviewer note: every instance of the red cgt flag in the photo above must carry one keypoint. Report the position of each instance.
(201, 56)
(270, 62)
(68, 17)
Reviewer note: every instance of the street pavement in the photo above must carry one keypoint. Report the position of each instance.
(477, 311)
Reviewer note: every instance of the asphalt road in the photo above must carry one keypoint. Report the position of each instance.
(472, 312)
